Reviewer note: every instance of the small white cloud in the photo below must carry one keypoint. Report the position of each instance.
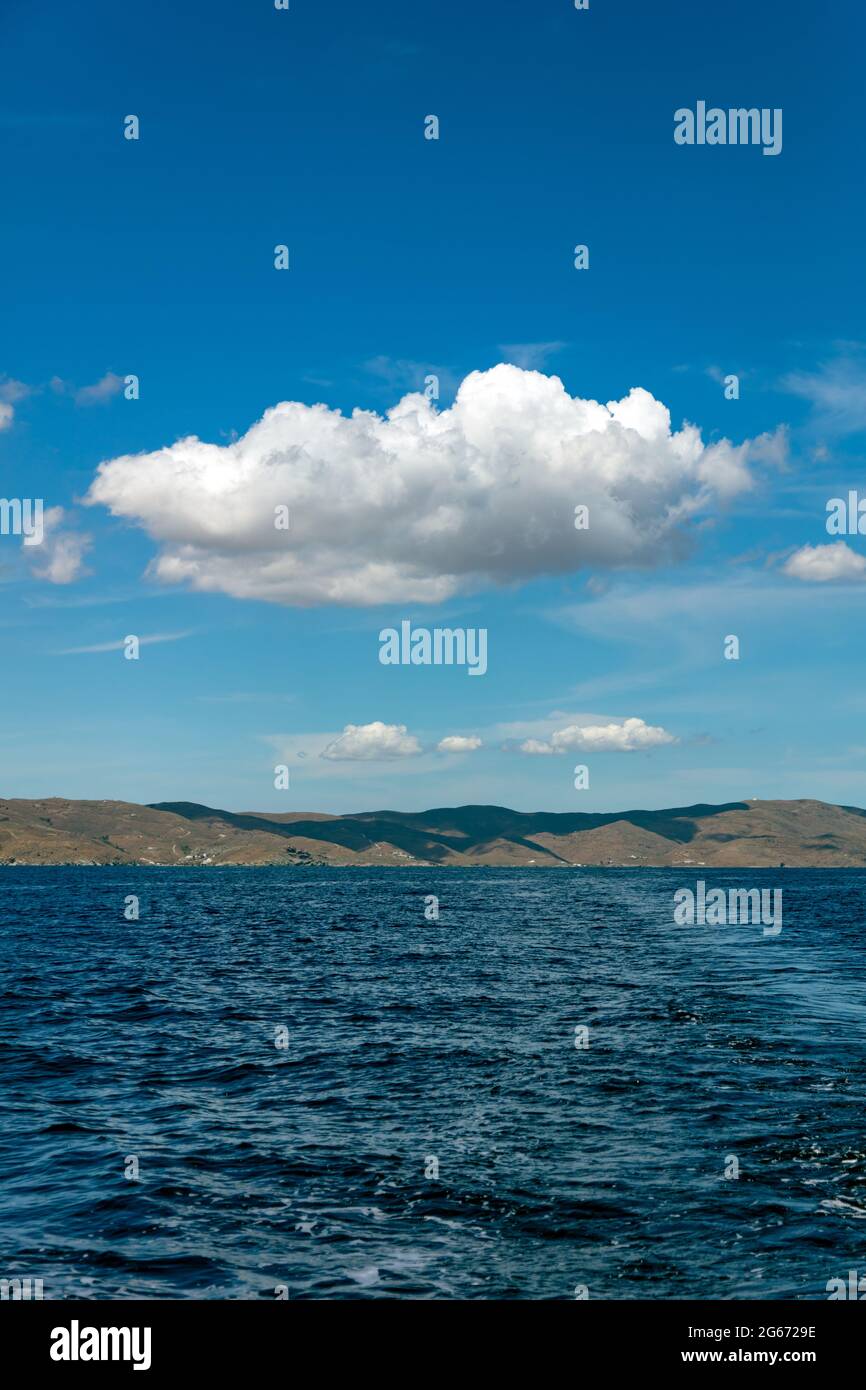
(13, 391)
(772, 448)
(456, 743)
(536, 746)
(631, 734)
(628, 736)
(100, 391)
(366, 742)
(7, 414)
(59, 559)
(62, 558)
(824, 564)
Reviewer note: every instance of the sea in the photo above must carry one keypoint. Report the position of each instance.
(429, 1083)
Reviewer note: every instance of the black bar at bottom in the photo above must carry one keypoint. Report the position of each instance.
(164, 1339)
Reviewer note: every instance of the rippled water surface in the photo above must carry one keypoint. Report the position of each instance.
(408, 1041)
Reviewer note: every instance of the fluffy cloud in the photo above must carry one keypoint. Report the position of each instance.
(365, 742)
(625, 737)
(821, 564)
(7, 415)
(423, 504)
(60, 557)
(535, 745)
(456, 743)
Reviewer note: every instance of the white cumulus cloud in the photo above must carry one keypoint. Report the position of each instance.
(456, 743)
(7, 415)
(422, 504)
(535, 745)
(822, 564)
(625, 737)
(365, 742)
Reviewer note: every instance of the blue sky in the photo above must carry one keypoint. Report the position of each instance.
(411, 257)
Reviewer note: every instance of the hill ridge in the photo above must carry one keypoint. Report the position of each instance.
(803, 832)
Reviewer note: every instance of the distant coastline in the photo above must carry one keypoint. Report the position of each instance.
(752, 833)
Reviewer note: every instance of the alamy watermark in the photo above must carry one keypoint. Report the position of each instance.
(77, 1343)
(854, 1289)
(443, 646)
(736, 126)
(846, 517)
(736, 907)
(21, 1289)
(23, 516)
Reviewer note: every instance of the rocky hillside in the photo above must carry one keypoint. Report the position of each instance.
(740, 833)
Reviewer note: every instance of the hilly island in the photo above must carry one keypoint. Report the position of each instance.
(794, 834)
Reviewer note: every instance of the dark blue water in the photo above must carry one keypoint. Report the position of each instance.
(304, 1166)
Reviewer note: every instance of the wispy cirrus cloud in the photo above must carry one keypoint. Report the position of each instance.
(246, 697)
(118, 644)
(12, 391)
(531, 356)
(100, 391)
(97, 393)
(836, 393)
(404, 374)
